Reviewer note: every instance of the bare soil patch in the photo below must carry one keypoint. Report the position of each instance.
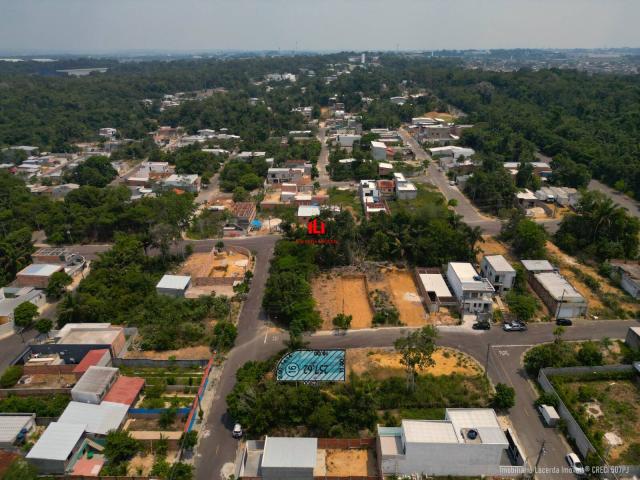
(336, 294)
(383, 363)
(404, 294)
(187, 353)
(344, 463)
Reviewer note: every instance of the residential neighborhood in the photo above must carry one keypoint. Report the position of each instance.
(356, 265)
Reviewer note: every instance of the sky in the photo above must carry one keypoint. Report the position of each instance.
(103, 26)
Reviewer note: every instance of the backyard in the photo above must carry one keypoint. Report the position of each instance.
(608, 411)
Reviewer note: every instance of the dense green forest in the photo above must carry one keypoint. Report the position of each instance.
(591, 122)
(121, 290)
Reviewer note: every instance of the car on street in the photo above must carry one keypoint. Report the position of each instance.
(481, 326)
(565, 322)
(575, 464)
(514, 327)
(237, 431)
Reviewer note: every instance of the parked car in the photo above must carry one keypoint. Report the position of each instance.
(575, 464)
(514, 327)
(481, 326)
(565, 322)
(237, 431)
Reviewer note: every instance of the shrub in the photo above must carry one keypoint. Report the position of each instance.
(504, 398)
(11, 376)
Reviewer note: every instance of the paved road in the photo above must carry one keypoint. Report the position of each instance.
(621, 199)
(260, 342)
(464, 207)
(323, 159)
(217, 447)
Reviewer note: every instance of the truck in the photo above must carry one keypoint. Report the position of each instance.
(549, 414)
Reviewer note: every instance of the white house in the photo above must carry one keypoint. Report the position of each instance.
(474, 293)
(405, 190)
(499, 272)
(346, 140)
(279, 175)
(173, 285)
(378, 150)
(186, 182)
(468, 442)
(629, 276)
(453, 151)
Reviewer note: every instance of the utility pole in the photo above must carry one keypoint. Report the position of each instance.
(540, 453)
(486, 362)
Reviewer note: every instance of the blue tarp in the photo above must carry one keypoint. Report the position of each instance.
(256, 223)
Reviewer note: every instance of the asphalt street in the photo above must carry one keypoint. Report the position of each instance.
(464, 207)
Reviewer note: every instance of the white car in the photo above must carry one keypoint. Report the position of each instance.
(237, 431)
(575, 464)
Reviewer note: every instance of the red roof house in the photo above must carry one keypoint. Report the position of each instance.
(125, 390)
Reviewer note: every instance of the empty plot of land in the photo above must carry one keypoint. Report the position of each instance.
(212, 264)
(345, 463)
(385, 362)
(187, 353)
(404, 294)
(336, 294)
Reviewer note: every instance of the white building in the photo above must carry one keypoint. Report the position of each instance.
(453, 151)
(499, 272)
(468, 442)
(107, 132)
(307, 212)
(378, 150)
(474, 293)
(13, 426)
(173, 285)
(54, 450)
(94, 384)
(279, 175)
(346, 140)
(562, 300)
(405, 190)
(628, 273)
(186, 182)
(96, 419)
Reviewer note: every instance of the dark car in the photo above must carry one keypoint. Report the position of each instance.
(481, 326)
(565, 322)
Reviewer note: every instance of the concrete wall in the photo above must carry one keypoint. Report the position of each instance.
(273, 473)
(632, 339)
(630, 286)
(445, 459)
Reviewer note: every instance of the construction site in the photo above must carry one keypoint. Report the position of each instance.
(216, 271)
(363, 292)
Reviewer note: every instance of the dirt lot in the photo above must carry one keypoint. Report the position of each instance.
(447, 117)
(335, 294)
(564, 262)
(45, 380)
(491, 246)
(188, 353)
(153, 424)
(404, 295)
(212, 264)
(358, 463)
(385, 362)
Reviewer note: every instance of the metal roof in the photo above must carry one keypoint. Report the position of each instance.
(95, 380)
(499, 263)
(308, 211)
(434, 282)
(98, 419)
(174, 282)
(290, 452)
(558, 287)
(537, 265)
(10, 426)
(40, 269)
(57, 441)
